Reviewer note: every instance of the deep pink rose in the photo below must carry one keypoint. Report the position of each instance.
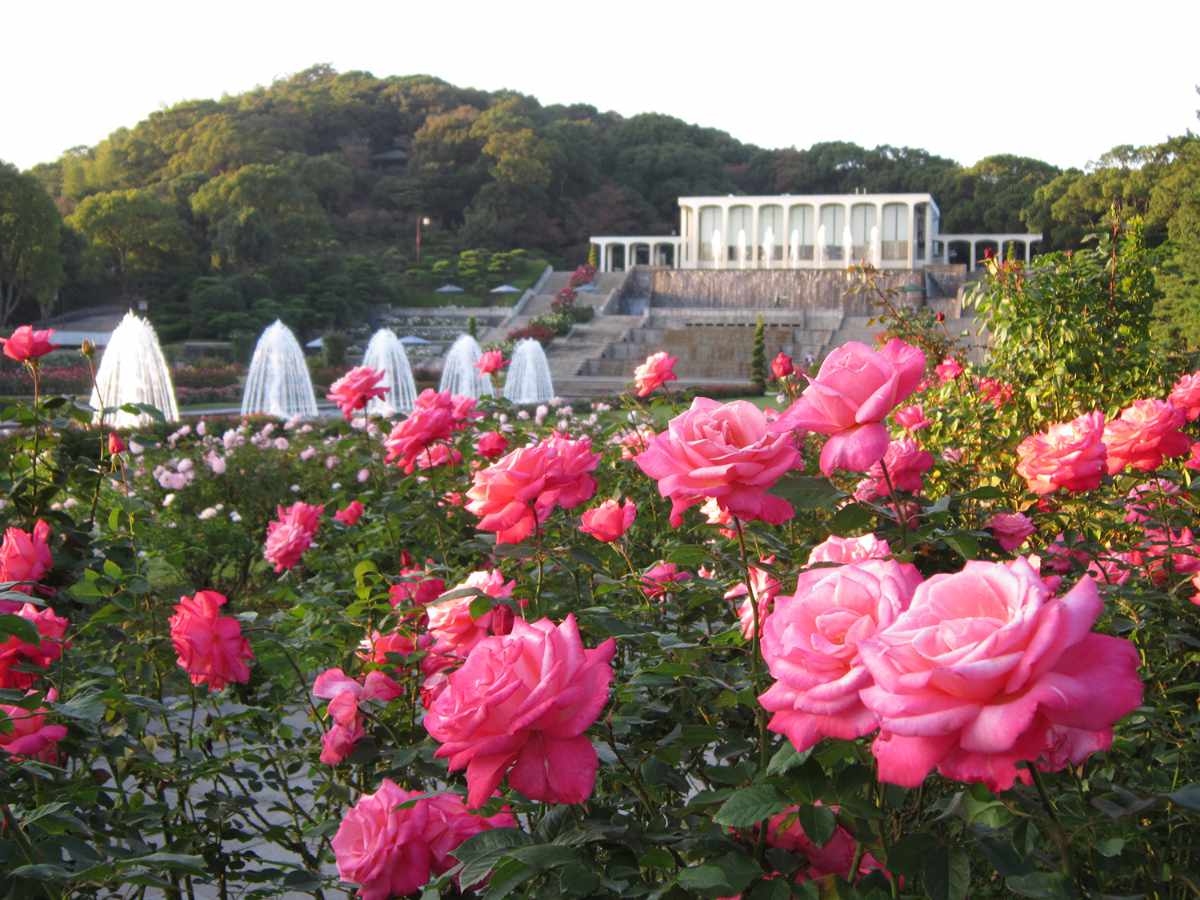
(1186, 395)
(1010, 529)
(727, 451)
(911, 418)
(986, 669)
(415, 588)
(519, 707)
(356, 388)
(290, 534)
(491, 444)
(836, 549)
(210, 646)
(24, 556)
(1150, 497)
(835, 857)
(344, 695)
(377, 646)
(850, 397)
(1163, 552)
(26, 344)
(609, 520)
(782, 366)
(657, 370)
(1145, 433)
(350, 514)
(657, 580)
(810, 643)
(766, 589)
(948, 369)
(116, 446)
(389, 850)
(995, 392)
(1069, 455)
(454, 630)
(521, 489)
(491, 361)
(906, 466)
(16, 653)
(435, 418)
(28, 735)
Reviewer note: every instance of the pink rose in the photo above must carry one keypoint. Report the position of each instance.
(1186, 395)
(634, 442)
(491, 444)
(26, 344)
(377, 646)
(1143, 434)
(390, 850)
(1163, 552)
(986, 669)
(24, 556)
(850, 397)
(344, 695)
(766, 589)
(1069, 455)
(17, 654)
(726, 451)
(836, 549)
(1149, 497)
(116, 446)
(356, 388)
(291, 534)
(657, 580)
(1010, 529)
(781, 366)
(995, 392)
(906, 466)
(911, 418)
(835, 857)
(657, 370)
(210, 646)
(491, 361)
(608, 521)
(435, 418)
(350, 514)
(415, 588)
(454, 630)
(520, 490)
(28, 736)
(519, 707)
(948, 369)
(811, 641)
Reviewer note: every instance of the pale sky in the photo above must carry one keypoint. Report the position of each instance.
(1056, 80)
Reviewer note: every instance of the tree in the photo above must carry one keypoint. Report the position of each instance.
(31, 265)
(758, 358)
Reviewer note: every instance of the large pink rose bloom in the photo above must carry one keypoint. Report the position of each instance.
(520, 490)
(986, 670)
(810, 643)
(354, 389)
(1145, 433)
(848, 400)
(389, 851)
(519, 707)
(1069, 455)
(836, 549)
(1186, 395)
(491, 361)
(657, 370)
(26, 344)
(727, 451)
(210, 646)
(291, 533)
(24, 556)
(609, 520)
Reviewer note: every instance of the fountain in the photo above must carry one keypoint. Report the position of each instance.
(768, 246)
(876, 247)
(386, 353)
(848, 243)
(133, 370)
(718, 250)
(795, 248)
(528, 379)
(741, 248)
(459, 375)
(278, 383)
(822, 238)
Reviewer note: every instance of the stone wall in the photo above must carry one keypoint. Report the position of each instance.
(776, 289)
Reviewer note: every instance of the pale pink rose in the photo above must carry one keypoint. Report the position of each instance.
(657, 580)
(1145, 433)
(766, 589)
(16, 654)
(657, 370)
(811, 640)
(853, 392)
(439, 455)
(1069, 455)
(290, 534)
(634, 442)
(726, 451)
(28, 736)
(952, 455)
(391, 850)
(714, 514)
(520, 490)
(1010, 529)
(356, 388)
(24, 556)
(1186, 395)
(350, 514)
(210, 646)
(519, 707)
(911, 418)
(1149, 497)
(491, 361)
(948, 369)
(906, 466)
(608, 521)
(986, 669)
(491, 444)
(836, 549)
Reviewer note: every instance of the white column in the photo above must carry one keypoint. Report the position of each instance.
(693, 239)
(912, 233)
(601, 253)
(928, 233)
(971, 260)
(754, 241)
(723, 250)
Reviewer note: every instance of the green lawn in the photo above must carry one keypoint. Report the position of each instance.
(523, 277)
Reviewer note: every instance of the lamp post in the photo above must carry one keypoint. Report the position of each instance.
(421, 221)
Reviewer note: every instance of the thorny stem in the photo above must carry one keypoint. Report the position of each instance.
(901, 519)
(760, 714)
(1057, 831)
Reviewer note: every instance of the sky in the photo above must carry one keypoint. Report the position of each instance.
(1058, 80)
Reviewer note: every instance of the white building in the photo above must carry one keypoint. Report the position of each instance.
(808, 231)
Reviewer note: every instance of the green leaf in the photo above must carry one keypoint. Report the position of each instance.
(751, 805)
(507, 877)
(1188, 797)
(818, 822)
(907, 856)
(947, 874)
(1110, 847)
(480, 607)
(808, 492)
(964, 544)
(21, 629)
(786, 758)
(83, 707)
(730, 874)
(851, 517)
(1040, 885)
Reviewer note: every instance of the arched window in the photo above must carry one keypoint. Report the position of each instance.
(862, 220)
(710, 224)
(801, 232)
(833, 220)
(895, 231)
(770, 219)
(741, 230)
